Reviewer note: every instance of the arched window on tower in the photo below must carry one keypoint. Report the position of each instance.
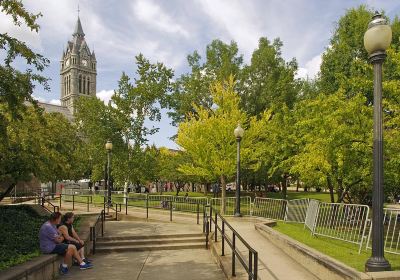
(69, 84)
(88, 85)
(84, 84)
(80, 83)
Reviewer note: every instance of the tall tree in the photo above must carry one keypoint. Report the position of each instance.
(16, 87)
(208, 140)
(192, 90)
(269, 81)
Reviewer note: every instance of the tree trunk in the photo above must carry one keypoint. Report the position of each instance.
(223, 194)
(330, 187)
(284, 188)
(297, 184)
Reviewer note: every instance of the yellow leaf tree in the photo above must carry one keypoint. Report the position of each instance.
(208, 139)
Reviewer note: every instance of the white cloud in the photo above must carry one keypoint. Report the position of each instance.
(238, 19)
(55, 102)
(152, 14)
(22, 33)
(311, 68)
(40, 99)
(105, 95)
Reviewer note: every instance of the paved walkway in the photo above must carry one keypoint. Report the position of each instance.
(185, 264)
(273, 263)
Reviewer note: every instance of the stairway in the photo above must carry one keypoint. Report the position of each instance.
(150, 242)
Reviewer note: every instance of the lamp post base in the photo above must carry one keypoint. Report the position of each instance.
(238, 215)
(377, 264)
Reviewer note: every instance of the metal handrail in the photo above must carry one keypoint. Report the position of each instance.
(93, 229)
(252, 267)
(55, 207)
(169, 205)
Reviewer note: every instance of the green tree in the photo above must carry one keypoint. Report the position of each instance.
(192, 90)
(208, 140)
(268, 82)
(16, 88)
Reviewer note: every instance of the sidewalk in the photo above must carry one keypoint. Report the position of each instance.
(273, 263)
(196, 264)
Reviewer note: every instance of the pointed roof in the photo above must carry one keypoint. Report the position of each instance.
(78, 29)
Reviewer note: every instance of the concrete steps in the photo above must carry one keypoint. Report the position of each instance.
(150, 243)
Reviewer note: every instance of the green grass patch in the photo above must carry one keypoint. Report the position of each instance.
(340, 250)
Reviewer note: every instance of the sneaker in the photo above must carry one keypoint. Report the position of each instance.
(63, 270)
(85, 266)
(89, 261)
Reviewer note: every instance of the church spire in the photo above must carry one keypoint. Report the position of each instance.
(78, 29)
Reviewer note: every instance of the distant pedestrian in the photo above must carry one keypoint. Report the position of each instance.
(186, 196)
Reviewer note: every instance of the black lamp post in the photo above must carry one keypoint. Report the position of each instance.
(376, 40)
(109, 147)
(238, 134)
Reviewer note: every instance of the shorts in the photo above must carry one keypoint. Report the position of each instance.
(77, 245)
(60, 249)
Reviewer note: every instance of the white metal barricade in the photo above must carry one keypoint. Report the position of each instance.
(391, 231)
(296, 210)
(230, 202)
(346, 222)
(269, 208)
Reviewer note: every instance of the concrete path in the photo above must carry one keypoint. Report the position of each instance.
(164, 265)
(149, 265)
(273, 263)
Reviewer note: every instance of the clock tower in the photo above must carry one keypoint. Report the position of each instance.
(78, 70)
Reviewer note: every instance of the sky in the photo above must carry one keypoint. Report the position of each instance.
(167, 31)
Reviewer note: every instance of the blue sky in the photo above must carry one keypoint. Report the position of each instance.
(168, 31)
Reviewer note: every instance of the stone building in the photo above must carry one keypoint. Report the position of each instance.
(77, 74)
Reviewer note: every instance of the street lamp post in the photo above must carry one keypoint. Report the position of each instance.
(109, 147)
(376, 40)
(238, 132)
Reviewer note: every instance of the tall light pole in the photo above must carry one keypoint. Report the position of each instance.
(109, 147)
(238, 132)
(376, 40)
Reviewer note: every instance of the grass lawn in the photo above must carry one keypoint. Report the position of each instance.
(342, 251)
(321, 196)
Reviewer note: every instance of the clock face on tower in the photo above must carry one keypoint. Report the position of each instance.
(67, 62)
(84, 62)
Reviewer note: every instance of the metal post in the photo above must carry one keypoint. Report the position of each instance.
(250, 265)
(204, 219)
(233, 253)
(223, 238)
(102, 223)
(147, 206)
(207, 232)
(170, 211)
(215, 227)
(237, 208)
(108, 177)
(210, 218)
(60, 201)
(377, 261)
(126, 206)
(73, 202)
(198, 213)
(255, 265)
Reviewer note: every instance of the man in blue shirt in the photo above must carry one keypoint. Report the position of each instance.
(51, 243)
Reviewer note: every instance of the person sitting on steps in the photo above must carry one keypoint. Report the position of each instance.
(51, 243)
(67, 230)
